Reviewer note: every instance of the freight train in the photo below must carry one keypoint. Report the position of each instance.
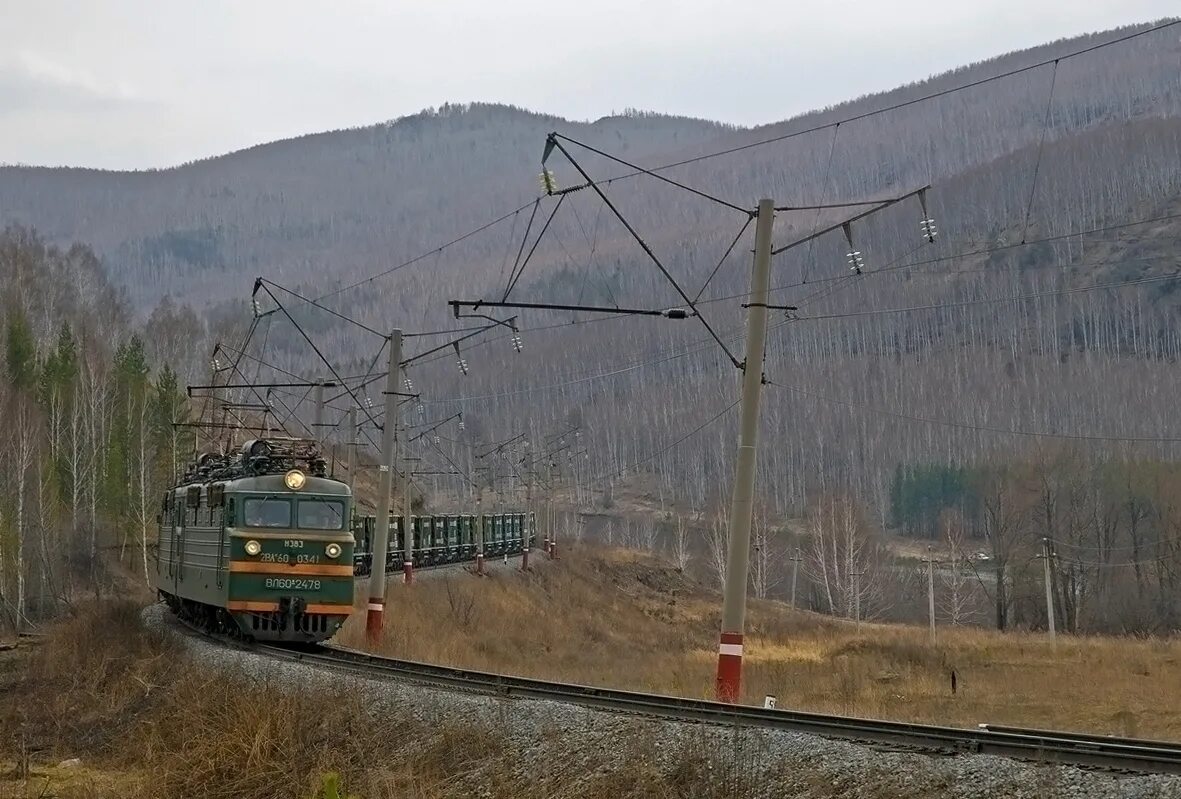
(440, 540)
(258, 544)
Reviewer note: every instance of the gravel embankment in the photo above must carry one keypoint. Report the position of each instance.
(561, 744)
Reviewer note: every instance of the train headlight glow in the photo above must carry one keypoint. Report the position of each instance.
(332, 550)
(253, 548)
(294, 479)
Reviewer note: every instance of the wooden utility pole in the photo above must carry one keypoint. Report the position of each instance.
(728, 684)
(381, 533)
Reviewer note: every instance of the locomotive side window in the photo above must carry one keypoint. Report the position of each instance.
(258, 512)
(321, 514)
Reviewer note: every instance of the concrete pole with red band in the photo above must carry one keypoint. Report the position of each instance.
(381, 532)
(729, 676)
(479, 536)
(408, 526)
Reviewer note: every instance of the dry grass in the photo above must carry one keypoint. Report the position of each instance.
(617, 618)
(147, 724)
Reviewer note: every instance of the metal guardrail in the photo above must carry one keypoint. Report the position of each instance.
(1063, 748)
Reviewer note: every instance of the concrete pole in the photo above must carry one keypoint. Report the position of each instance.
(1046, 555)
(318, 424)
(407, 527)
(795, 572)
(479, 530)
(728, 684)
(381, 533)
(553, 516)
(352, 454)
(549, 476)
(525, 524)
(931, 591)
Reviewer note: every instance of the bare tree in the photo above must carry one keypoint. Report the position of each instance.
(956, 599)
(681, 544)
(717, 539)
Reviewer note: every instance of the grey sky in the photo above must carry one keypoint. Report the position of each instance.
(143, 83)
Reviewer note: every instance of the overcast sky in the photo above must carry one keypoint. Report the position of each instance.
(146, 83)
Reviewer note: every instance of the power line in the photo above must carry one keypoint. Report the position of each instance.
(1037, 163)
(892, 267)
(644, 245)
(975, 427)
(991, 300)
(429, 252)
(750, 145)
(316, 304)
(663, 450)
(642, 171)
(904, 103)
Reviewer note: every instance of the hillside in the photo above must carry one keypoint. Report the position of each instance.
(1030, 349)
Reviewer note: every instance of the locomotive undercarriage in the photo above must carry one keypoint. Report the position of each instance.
(289, 624)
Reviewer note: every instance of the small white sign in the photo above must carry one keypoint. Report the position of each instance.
(769, 702)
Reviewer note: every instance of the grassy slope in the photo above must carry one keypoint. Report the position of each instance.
(621, 619)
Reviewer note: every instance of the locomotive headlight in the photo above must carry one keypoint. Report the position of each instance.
(332, 550)
(253, 548)
(294, 479)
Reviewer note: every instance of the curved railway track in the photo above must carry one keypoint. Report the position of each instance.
(1042, 746)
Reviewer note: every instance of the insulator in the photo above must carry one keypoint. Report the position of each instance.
(461, 424)
(437, 439)
(462, 363)
(421, 409)
(257, 306)
(517, 345)
(929, 231)
(409, 385)
(856, 263)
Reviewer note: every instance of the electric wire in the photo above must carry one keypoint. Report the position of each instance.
(653, 456)
(977, 427)
(832, 148)
(642, 171)
(991, 300)
(1037, 164)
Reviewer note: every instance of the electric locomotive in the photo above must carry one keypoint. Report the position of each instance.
(258, 544)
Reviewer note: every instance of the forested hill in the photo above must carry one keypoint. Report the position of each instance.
(340, 205)
(949, 352)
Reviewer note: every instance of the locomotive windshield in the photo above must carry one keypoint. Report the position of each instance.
(259, 512)
(321, 514)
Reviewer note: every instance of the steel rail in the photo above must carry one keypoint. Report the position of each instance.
(1060, 748)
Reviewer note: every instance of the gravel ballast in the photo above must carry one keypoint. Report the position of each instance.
(558, 745)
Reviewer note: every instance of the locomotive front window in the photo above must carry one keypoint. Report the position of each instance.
(321, 514)
(266, 512)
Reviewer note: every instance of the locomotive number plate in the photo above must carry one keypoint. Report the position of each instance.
(292, 584)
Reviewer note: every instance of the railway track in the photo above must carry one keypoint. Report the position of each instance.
(1041, 746)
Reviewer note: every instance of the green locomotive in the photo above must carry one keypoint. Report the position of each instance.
(258, 544)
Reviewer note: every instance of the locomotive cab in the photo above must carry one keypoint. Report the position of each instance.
(258, 544)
